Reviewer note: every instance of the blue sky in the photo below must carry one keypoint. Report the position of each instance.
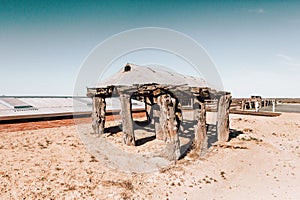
(254, 44)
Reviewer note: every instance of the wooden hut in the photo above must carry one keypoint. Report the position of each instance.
(162, 90)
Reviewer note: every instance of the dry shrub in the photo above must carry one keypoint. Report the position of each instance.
(124, 195)
(93, 159)
(127, 184)
(247, 130)
(164, 169)
(193, 154)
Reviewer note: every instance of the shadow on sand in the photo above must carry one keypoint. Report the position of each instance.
(145, 132)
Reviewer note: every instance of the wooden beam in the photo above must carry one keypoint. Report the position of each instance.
(127, 124)
(223, 118)
(98, 115)
(100, 92)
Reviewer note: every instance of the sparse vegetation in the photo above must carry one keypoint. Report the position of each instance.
(126, 184)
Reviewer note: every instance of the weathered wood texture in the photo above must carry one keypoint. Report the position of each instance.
(127, 124)
(243, 105)
(98, 115)
(200, 142)
(100, 92)
(223, 118)
(169, 125)
(156, 119)
(179, 116)
(162, 92)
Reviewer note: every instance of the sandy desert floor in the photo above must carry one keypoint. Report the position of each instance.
(53, 163)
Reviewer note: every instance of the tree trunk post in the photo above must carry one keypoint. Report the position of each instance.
(98, 115)
(223, 117)
(200, 141)
(157, 126)
(126, 115)
(169, 126)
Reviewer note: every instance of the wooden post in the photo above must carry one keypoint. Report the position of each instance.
(95, 115)
(157, 126)
(192, 101)
(243, 105)
(98, 115)
(223, 118)
(200, 141)
(126, 114)
(169, 126)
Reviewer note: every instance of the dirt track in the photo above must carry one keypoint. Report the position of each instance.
(23, 126)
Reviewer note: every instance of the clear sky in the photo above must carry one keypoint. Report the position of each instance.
(255, 44)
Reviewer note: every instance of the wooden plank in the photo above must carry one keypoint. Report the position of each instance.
(127, 124)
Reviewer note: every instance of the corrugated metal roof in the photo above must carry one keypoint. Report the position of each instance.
(15, 103)
(133, 74)
(49, 102)
(84, 100)
(3, 107)
(58, 105)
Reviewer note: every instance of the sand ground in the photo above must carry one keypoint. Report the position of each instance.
(53, 163)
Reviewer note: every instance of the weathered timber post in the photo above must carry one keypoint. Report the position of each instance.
(179, 116)
(192, 101)
(169, 126)
(98, 114)
(147, 111)
(126, 115)
(200, 141)
(260, 103)
(157, 126)
(256, 103)
(223, 117)
(243, 105)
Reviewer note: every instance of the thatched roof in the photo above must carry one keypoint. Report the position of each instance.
(133, 74)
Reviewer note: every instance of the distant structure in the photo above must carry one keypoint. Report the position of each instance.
(254, 102)
(163, 92)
